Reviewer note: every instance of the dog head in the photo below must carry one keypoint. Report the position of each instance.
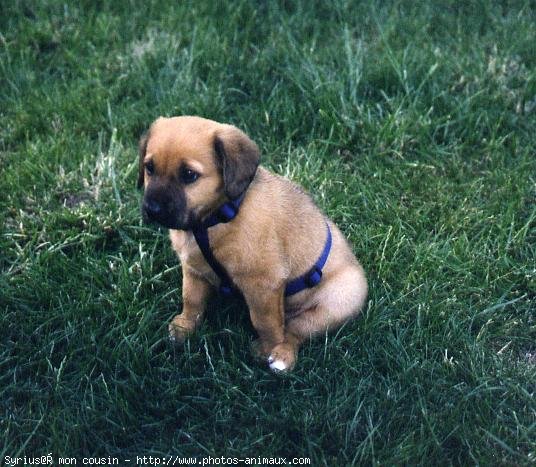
(189, 166)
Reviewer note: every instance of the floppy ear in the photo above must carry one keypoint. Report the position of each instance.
(238, 156)
(142, 150)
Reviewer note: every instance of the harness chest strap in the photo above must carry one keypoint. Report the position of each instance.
(226, 213)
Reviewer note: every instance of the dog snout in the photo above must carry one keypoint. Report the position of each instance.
(165, 205)
(153, 208)
(157, 210)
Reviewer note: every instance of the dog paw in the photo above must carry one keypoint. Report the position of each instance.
(282, 358)
(179, 329)
(259, 350)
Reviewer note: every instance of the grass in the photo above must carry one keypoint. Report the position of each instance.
(411, 123)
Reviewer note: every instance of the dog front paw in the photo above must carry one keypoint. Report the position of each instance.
(179, 329)
(282, 358)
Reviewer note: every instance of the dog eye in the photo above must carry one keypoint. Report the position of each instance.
(149, 167)
(188, 175)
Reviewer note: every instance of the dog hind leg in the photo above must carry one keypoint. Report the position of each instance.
(339, 301)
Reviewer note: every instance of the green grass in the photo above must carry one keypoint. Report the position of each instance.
(411, 123)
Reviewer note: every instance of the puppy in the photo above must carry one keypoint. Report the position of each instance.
(274, 239)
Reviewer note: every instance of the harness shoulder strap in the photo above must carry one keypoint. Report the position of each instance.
(226, 213)
(226, 285)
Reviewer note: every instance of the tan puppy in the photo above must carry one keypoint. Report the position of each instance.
(190, 166)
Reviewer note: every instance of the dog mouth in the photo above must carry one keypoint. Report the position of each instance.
(173, 221)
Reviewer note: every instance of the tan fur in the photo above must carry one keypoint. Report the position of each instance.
(277, 236)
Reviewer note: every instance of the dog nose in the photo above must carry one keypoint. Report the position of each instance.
(153, 208)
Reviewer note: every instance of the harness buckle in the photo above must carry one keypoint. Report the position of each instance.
(313, 277)
(227, 212)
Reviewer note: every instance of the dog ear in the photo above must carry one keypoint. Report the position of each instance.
(238, 157)
(142, 145)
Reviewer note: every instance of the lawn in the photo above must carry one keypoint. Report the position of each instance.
(413, 126)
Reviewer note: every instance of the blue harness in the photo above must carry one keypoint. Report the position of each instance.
(226, 213)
